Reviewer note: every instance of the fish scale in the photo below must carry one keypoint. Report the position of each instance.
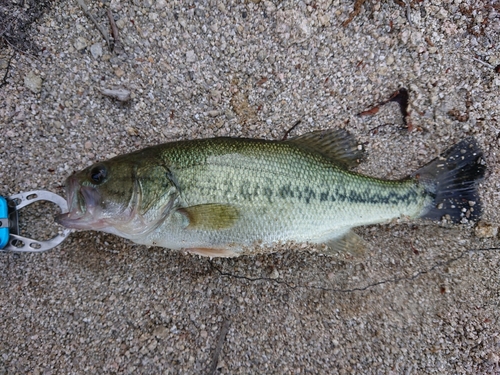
(257, 172)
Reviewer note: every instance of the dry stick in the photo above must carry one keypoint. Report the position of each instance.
(285, 137)
(401, 97)
(4, 79)
(114, 28)
(7, 27)
(357, 9)
(483, 63)
(12, 45)
(408, 12)
(18, 49)
(92, 18)
(215, 361)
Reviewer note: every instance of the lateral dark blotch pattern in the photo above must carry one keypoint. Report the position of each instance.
(308, 195)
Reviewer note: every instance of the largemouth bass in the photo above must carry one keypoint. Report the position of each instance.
(227, 196)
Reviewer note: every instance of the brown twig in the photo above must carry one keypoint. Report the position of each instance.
(408, 12)
(92, 18)
(17, 49)
(401, 97)
(215, 360)
(7, 27)
(4, 79)
(114, 28)
(459, 116)
(289, 130)
(483, 63)
(357, 9)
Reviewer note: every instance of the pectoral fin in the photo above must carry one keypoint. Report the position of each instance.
(210, 216)
(350, 245)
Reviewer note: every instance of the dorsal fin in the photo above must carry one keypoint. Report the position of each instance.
(336, 144)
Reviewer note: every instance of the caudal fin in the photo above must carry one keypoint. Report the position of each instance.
(451, 179)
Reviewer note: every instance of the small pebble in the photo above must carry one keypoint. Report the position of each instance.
(486, 230)
(33, 82)
(120, 94)
(274, 274)
(160, 4)
(190, 56)
(80, 43)
(96, 50)
(119, 72)
(122, 23)
(132, 131)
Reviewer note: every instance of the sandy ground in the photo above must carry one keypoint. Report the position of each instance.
(424, 300)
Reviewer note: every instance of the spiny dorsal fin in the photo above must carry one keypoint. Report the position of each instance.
(336, 144)
(210, 216)
(350, 245)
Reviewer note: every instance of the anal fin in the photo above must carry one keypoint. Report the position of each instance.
(348, 246)
(213, 252)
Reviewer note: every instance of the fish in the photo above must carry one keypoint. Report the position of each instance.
(225, 197)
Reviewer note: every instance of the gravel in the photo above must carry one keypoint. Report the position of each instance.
(424, 300)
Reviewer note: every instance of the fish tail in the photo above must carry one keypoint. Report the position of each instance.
(451, 183)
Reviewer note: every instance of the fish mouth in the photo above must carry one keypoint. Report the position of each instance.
(83, 207)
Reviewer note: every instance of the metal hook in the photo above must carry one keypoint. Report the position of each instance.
(23, 244)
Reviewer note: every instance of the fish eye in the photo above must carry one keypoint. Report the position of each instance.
(98, 174)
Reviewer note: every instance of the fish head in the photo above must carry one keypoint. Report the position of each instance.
(127, 195)
(98, 196)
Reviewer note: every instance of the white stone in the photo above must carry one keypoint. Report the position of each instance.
(33, 82)
(190, 56)
(80, 43)
(160, 4)
(96, 50)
